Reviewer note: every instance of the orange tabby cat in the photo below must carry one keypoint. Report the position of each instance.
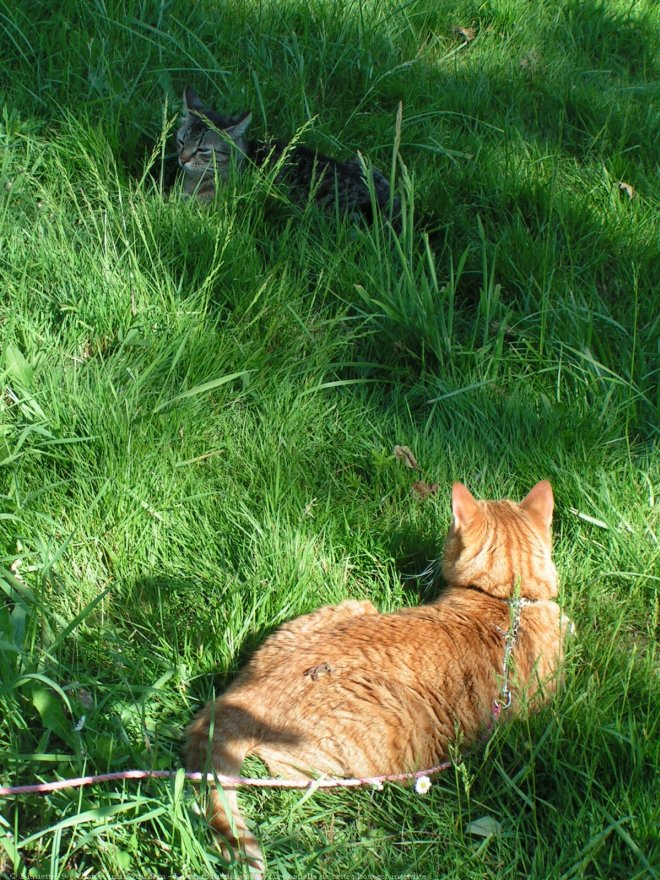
(347, 691)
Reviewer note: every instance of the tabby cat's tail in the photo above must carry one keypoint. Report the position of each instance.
(224, 754)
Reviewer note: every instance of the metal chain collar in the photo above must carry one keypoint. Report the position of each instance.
(515, 609)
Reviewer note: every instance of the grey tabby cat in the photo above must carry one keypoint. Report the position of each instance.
(208, 143)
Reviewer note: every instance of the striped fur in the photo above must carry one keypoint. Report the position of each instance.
(208, 143)
(347, 691)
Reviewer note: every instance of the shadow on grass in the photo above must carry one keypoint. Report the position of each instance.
(193, 613)
(579, 90)
(417, 559)
(592, 63)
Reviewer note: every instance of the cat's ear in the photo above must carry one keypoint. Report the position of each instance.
(238, 129)
(464, 506)
(191, 100)
(539, 504)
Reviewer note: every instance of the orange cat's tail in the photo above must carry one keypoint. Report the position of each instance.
(224, 753)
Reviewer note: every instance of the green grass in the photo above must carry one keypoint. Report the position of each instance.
(198, 408)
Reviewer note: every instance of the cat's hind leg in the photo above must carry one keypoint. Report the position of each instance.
(225, 754)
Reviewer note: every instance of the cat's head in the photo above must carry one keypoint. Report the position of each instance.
(207, 143)
(495, 545)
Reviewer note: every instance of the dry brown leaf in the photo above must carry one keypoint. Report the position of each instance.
(629, 190)
(467, 33)
(405, 455)
(423, 490)
(91, 348)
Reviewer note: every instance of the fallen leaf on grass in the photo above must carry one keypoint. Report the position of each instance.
(487, 826)
(467, 33)
(423, 490)
(626, 188)
(404, 454)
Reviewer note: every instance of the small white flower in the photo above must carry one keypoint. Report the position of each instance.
(422, 784)
(378, 786)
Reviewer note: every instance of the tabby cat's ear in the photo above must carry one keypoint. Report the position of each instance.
(191, 99)
(539, 503)
(239, 128)
(464, 506)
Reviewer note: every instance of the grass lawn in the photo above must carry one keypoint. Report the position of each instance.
(199, 405)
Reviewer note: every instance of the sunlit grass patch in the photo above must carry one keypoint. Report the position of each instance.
(199, 406)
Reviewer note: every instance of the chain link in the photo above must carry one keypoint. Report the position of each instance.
(515, 610)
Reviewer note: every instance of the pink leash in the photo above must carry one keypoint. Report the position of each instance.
(510, 637)
(227, 781)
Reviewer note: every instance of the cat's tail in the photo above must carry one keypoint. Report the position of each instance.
(216, 744)
(382, 191)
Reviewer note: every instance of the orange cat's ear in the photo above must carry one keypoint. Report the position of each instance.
(539, 503)
(464, 506)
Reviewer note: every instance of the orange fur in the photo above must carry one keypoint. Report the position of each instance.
(347, 691)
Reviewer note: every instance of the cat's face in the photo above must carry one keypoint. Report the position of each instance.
(207, 143)
(494, 545)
